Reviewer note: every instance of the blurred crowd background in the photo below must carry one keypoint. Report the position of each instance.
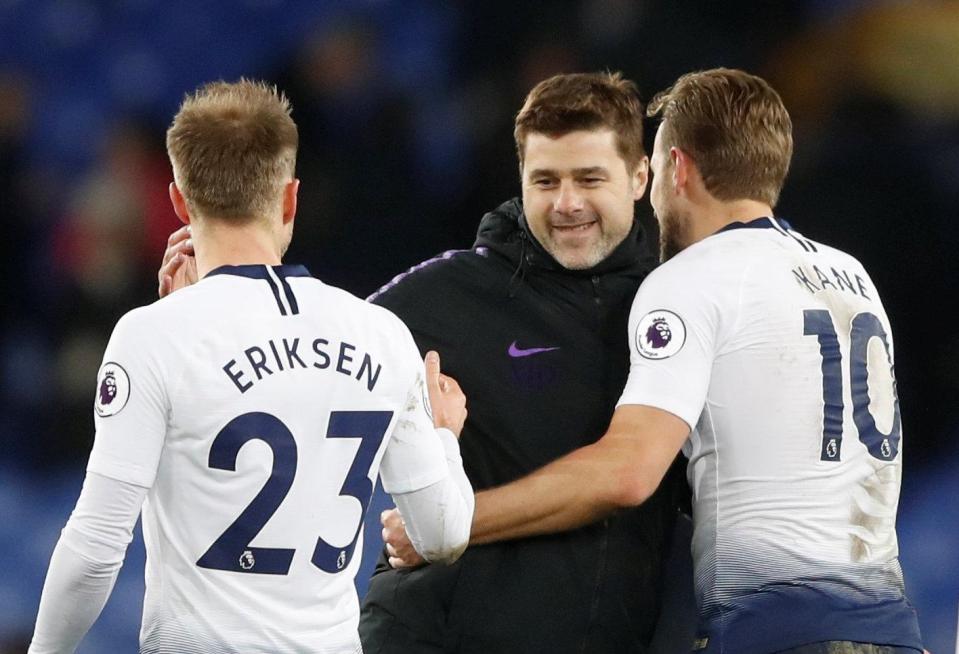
(405, 110)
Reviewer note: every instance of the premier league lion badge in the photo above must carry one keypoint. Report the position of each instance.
(113, 390)
(660, 334)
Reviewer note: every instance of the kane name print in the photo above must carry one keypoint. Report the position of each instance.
(286, 354)
(814, 279)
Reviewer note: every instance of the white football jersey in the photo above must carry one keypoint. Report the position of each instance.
(258, 407)
(777, 351)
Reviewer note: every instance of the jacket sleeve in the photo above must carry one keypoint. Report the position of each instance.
(420, 297)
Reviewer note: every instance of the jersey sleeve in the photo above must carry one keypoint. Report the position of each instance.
(414, 457)
(439, 517)
(673, 333)
(85, 563)
(131, 404)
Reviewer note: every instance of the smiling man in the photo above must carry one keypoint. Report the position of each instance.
(532, 322)
(579, 213)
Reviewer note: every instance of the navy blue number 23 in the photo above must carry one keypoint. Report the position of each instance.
(232, 551)
(865, 327)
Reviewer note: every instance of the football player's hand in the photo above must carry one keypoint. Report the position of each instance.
(178, 268)
(398, 545)
(446, 398)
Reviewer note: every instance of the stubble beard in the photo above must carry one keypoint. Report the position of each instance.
(597, 251)
(673, 228)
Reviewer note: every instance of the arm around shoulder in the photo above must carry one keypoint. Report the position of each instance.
(621, 469)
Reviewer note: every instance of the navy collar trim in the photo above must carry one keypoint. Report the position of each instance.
(258, 271)
(759, 223)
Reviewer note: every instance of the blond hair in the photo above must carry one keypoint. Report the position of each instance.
(584, 101)
(735, 128)
(233, 147)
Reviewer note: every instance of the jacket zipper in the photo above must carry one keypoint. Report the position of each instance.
(597, 588)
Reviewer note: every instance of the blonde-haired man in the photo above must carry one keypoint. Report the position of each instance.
(768, 358)
(249, 416)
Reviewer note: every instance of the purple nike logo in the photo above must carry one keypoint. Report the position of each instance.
(517, 352)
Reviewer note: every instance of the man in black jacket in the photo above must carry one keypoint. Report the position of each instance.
(532, 323)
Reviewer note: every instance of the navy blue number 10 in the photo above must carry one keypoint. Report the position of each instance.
(864, 327)
(232, 550)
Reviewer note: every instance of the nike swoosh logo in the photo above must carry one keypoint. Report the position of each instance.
(517, 352)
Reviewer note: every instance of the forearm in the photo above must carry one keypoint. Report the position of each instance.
(438, 517)
(575, 490)
(85, 563)
(73, 596)
(621, 469)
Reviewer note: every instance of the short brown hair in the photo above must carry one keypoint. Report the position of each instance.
(584, 101)
(233, 146)
(735, 128)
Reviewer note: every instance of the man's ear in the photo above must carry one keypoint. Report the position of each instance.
(289, 200)
(179, 204)
(681, 169)
(640, 178)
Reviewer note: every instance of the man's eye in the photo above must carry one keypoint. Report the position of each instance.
(544, 183)
(592, 180)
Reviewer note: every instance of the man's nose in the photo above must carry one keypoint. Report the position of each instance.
(569, 200)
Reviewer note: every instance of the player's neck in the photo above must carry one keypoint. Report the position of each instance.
(218, 245)
(719, 214)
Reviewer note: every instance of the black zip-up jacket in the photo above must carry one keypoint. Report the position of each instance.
(542, 355)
